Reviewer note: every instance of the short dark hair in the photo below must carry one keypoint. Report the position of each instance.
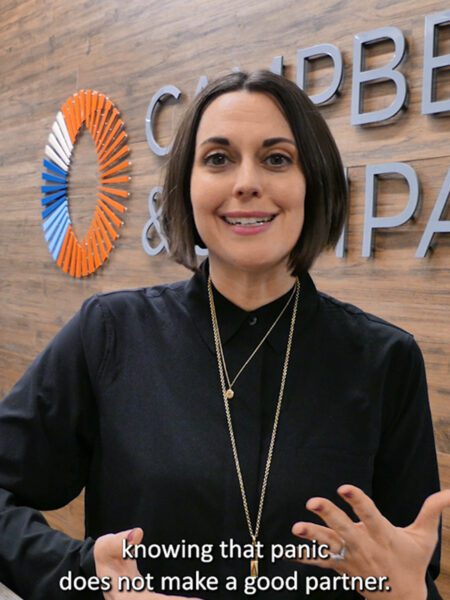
(326, 189)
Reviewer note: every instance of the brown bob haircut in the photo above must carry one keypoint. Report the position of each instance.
(326, 189)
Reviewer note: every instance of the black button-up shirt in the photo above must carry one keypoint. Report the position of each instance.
(126, 400)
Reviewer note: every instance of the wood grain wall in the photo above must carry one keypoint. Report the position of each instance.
(51, 48)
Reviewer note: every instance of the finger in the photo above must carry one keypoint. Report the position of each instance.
(365, 508)
(327, 563)
(334, 517)
(429, 515)
(330, 544)
(320, 534)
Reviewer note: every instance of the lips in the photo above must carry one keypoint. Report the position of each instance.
(248, 219)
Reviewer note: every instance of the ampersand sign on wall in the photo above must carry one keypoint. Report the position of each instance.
(95, 112)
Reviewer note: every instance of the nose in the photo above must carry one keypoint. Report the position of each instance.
(248, 182)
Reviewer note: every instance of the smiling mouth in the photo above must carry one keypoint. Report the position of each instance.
(248, 221)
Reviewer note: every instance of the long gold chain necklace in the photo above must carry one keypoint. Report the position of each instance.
(254, 532)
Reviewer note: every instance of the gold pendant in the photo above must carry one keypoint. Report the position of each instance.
(254, 567)
(254, 560)
(229, 394)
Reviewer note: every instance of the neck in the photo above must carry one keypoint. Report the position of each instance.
(250, 289)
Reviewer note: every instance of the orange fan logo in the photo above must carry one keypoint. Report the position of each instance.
(97, 113)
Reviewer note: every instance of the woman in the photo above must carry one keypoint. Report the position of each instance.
(204, 414)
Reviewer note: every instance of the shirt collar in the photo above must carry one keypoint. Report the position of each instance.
(232, 318)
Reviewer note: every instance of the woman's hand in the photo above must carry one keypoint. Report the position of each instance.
(374, 547)
(110, 563)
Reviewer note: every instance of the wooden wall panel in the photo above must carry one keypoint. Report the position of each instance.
(51, 48)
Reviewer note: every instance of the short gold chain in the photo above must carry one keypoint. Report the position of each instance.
(266, 335)
(254, 532)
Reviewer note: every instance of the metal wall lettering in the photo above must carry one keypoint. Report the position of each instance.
(431, 63)
(306, 55)
(372, 222)
(152, 228)
(199, 251)
(168, 91)
(277, 65)
(202, 83)
(341, 246)
(434, 225)
(361, 77)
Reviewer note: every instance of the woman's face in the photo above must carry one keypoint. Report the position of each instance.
(247, 186)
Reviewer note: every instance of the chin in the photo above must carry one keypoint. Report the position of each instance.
(256, 262)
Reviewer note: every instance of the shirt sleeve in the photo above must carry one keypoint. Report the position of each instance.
(48, 425)
(406, 470)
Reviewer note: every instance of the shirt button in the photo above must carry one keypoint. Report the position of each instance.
(253, 320)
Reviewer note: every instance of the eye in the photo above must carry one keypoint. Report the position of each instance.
(217, 159)
(278, 160)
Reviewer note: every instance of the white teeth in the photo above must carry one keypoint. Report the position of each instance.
(248, 220)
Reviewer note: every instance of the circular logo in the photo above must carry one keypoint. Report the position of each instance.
(95, 112)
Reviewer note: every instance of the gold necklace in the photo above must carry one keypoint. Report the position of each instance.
(229, 390)
(254, 532)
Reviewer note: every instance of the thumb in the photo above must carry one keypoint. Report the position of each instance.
(132, 536)
(117, 547)
(429, 515)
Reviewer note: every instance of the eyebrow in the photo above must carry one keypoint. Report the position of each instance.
(267, 143)
(277, 140)
(216, 140)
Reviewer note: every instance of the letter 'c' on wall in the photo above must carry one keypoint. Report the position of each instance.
(161, 96)
(94, 111)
